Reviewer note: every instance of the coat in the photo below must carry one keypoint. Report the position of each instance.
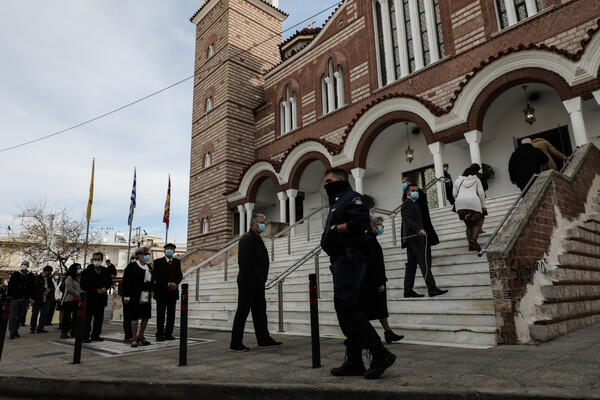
(162, 278)
(432, 236)
(253, 258)
(469, 193)
(524, 163)
(412, 222)
(134, 283)
(72, 288)
(91, 281)
(550, 152)
(21, 286)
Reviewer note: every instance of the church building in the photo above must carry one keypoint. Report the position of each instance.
(384, 89)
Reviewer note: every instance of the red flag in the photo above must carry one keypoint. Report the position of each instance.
(168, 205)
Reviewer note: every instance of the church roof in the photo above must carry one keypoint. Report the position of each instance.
(305, 31)
(208, 1)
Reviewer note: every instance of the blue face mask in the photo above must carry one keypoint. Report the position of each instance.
(78, 271)
(261, 228)
(169, 253)
(404, 186)
(446, 169)
(147, 258)
(414, 195)
(380, 230)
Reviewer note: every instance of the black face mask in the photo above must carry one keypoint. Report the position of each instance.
(333, 188)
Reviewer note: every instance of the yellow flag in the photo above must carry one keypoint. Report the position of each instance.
(91, 199)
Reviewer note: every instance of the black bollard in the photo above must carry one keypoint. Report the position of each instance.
(314, 320)
(183, 325)
(80, 327)
(4, 322)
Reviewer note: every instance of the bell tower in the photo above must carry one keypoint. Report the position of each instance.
(237, 41)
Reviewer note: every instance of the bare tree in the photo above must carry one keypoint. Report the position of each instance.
(48, 237)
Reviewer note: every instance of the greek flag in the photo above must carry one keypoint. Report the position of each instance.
(132, 205)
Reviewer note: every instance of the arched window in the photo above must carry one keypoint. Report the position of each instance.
(205, 225)
(332, 88)
(510, 12)
(209, 104)
(207, 160)
(288, 111)
(210, 51)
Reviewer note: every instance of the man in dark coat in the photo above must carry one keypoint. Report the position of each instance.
(21, 288)
(525, 162)
(41, 301)
(95, 280)
(344, 242)
(415, 239)
(432, 237)
(448, 185)
(373, 295)
(167, 277)
(253, 261)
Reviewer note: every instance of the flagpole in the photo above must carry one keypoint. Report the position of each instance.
(129, 244)
(131, 210)
(89, 213)
(167, 214)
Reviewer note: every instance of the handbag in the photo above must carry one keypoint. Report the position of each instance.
(458, 190)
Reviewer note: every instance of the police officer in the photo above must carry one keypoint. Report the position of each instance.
(344, 241)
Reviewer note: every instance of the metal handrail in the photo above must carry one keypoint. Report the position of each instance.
(510, 210)
(434, 181)
(289, 228)
(279, 279)
(566, 164)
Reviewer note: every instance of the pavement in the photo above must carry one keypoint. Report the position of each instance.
(39, 366)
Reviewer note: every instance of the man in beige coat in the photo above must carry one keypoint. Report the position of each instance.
(550, 151)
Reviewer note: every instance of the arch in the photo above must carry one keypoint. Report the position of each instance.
(412, 110)
(257, 181)
(295, 156)
(304, 162)
(250, 178)
(369, 136)
(509, 80)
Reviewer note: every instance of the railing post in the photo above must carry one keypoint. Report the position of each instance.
(272, 249)
(183, 326)
(197, 297)
(225, 270)
(308, 229)
(280, 304)
(314, 320)
(4, 322)
(80, 326)
(393, 217)
(317, 273)
(289, 242)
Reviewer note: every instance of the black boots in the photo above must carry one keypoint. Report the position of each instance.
(391, 337)
(353, 365)
(382, 360)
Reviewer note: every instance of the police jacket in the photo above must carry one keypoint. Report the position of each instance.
(253, 258)
(347, 207)
(21, 286)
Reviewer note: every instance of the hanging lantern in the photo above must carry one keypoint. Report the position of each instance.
(409, 152)
(528, 110)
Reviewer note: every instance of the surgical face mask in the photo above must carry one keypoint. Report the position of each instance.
(446, 169)
(147, 258)
(97, 264)
(23, 267)
(78, 271)
(169, 253)
(404, 186)
(380, 230)
(261, 228)
(414, 195)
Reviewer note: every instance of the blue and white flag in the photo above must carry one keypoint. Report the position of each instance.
(132, 205)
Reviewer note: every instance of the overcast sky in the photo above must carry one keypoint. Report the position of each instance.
(66, 62)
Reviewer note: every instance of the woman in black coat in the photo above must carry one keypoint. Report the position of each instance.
(138, 289)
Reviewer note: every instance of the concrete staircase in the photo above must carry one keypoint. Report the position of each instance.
(463, 317)
(572, 300)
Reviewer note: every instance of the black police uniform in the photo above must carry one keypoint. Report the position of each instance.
(347, 254)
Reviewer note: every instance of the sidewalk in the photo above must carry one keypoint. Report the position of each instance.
(39, 366)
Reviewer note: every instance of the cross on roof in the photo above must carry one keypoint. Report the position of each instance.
(312, 23)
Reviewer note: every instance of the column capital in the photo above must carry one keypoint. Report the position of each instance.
(241, 209)
(473, 136)
(597, 96)
(436, 148)
(282, 196)
(358, 172)
(573, 105)
(291, 193)
(249, 207)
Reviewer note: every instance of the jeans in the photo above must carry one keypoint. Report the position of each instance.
(40, 307)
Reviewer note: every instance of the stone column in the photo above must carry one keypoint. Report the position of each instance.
(437, 149)
(249, 209)
(416, 33)
(511, 12)
(474, 138)
(358, 174)
(388, 43)
(404, 67)
(531, 7)
(242, 211)
(292, 193)
(597, 96)
(282, 196)
(575, 109)
(434, 51)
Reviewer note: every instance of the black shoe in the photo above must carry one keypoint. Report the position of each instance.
(380, 363)
(98, 339)
(42, 331)
(240, 348)
(270, 344)
(349, 368)
(12, 337)
(31, 332)
(412, 293)
(391, 337)
(17, 334)
(87, 341)
(170, 337)
(436, 292)
(127, 340)
(160, 338)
